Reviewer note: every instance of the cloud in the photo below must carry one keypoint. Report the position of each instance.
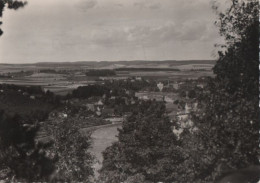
(119, 5)
(192, 30)
(153, 35)
(86, 4)
(155, 6)
(109, 30)
(147, 5)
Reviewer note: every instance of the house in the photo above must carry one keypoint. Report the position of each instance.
(181, 116)
(171, 107)
(160, 86)
(115, 120)
(187, 108)
(90, 107)
(62, 115)
(98, 113)
(187, 124)
(99, 103)
(127, 114)
(130, 93)
(177, 132)
(32, 97)
(25, 94)
(132, 101)
(200, 86)
(144, 97)
(175, 86)
(168, 99)
(172, 115)
(112, 97)
(138, 78)
(195, 106)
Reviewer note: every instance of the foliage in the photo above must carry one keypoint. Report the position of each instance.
(89, 91)
(111, 88)
(16, 99)
(11, 4)
(21, 159)
(70, 149)
(147, 149)
(145, 69)
(129, 84)
(228, 117)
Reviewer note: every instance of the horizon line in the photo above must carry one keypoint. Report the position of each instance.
(53, 62)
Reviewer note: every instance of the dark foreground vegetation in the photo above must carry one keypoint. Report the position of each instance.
(25, 159)
(226, 139)
(27, 101)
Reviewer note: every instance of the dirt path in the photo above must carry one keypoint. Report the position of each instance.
(102, 138)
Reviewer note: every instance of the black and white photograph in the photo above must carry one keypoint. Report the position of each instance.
(129, 91)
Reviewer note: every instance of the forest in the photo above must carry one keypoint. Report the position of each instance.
(101, 72)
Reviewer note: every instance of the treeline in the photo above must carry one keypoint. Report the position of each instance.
(101, 72)
(29, 102)
(129, 84)
(89, 91)
(111, 88)
(5, 76)
(28, 89)
(146, 69)
(16, 74)
(52, 71)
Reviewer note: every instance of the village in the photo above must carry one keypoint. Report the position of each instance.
(117, 105)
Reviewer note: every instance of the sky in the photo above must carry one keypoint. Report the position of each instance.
(109, 30)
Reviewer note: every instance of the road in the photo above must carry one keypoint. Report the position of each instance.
(102, 138)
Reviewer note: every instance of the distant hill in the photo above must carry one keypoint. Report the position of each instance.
(107, 64)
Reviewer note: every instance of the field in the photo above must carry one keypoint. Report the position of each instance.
(68, 76)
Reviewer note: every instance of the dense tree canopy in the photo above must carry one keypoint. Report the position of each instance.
(21, 159)
(70, 150)
(147, 150)
(228, 120)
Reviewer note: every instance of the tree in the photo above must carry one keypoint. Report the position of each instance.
(192, 93)
(70, 150)
(11, 4)
(147, 150)
(21, 159)
(228, 118)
